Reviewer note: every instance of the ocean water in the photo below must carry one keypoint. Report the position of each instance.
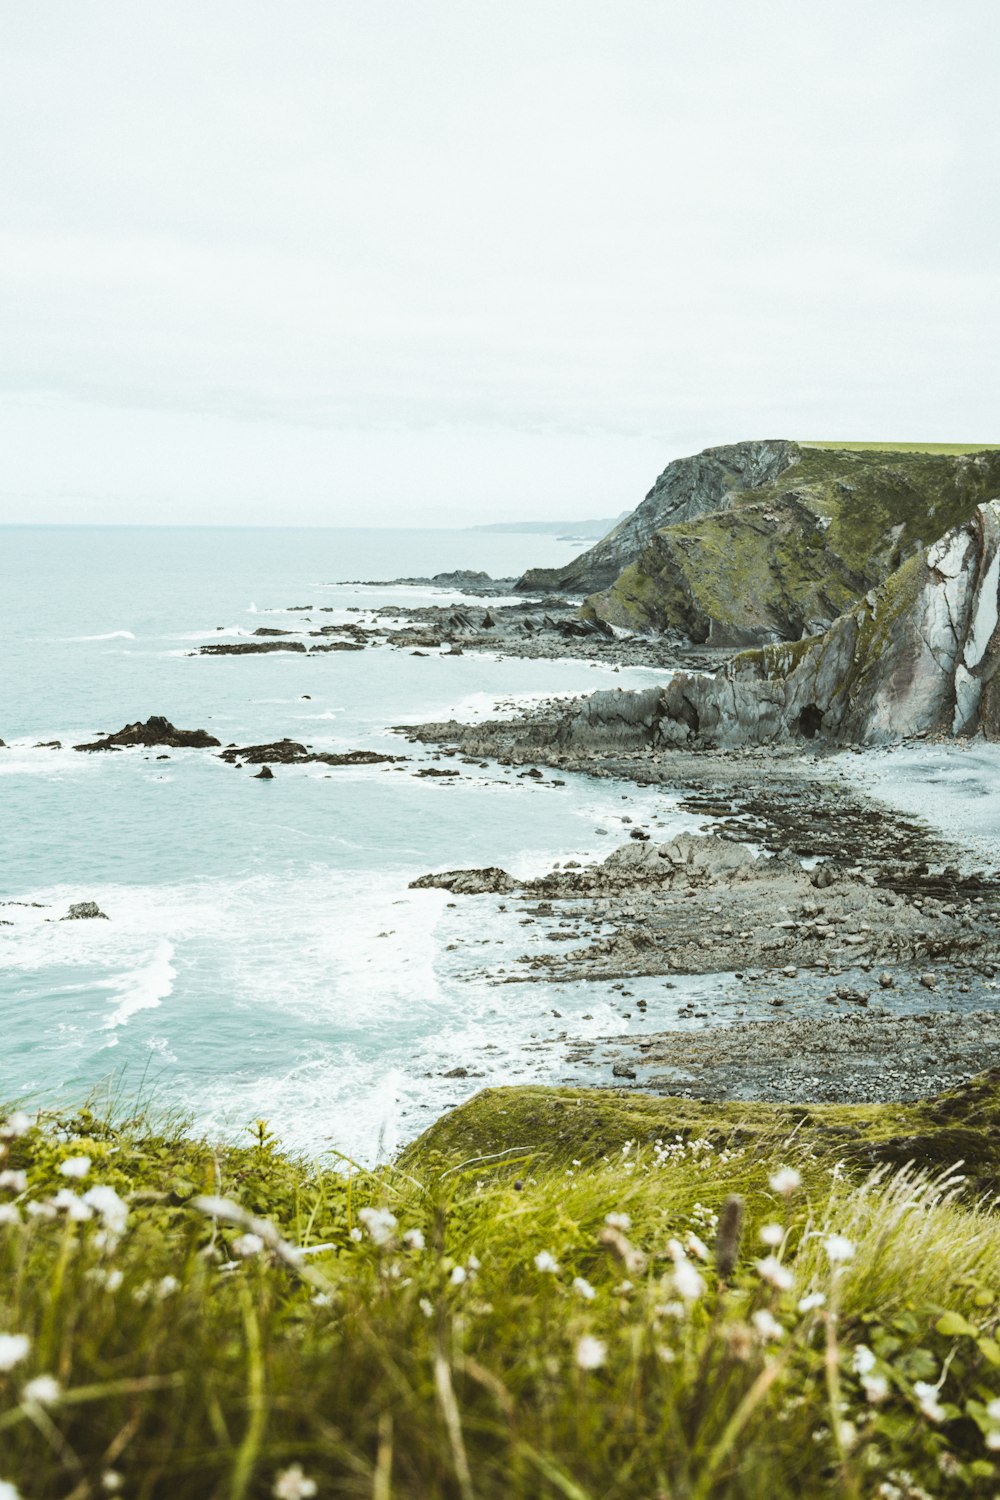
(264, 955)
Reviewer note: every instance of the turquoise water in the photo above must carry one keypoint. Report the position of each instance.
(264, 955)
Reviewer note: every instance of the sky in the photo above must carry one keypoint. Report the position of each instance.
(443, 262)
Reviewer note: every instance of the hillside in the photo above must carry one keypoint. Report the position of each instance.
(766, 541)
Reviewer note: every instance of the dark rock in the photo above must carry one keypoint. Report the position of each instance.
(156, 731)
(49, 745)
(264, 774)
(248, 648)
(82, 911)
(270, 630)
(456, 1073)
(490, 880)
(291, 753)
(622, 1070)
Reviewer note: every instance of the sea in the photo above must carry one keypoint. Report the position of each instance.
(264, 956)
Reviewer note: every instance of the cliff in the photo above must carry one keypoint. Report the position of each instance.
(920, 654)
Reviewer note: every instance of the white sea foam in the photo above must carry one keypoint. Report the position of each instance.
(143, 988)
(111, 635)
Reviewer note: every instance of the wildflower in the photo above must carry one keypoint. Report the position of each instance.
(546, 1262)
(167, 1286)
(321, 1299)
(619, 1221)
(9, 1213)
(767, 1326)
(75, 1166)
(413, 1239)
(459, 1275)
(784, 1181)
(9, 1491)
(13, 1181)
(772, 1235)
(839, 1249)
(590, 1352)
(356, 1235)
(689, 1283)
(993, 1440)
(379, 1223)
(583, 1288)
(927, 1400)
(670, 1310)
(111, 1481)
(697, 1246)
(112, 1209)
(13, 1348)
(993, 1410)
(45, 1390)
(293, 1484)
(37, 1210)
(472, 1264)
(848, 1435)
(864, 1360)
(15, 1125)
(247, 1245)
(811, 1300)
(426, 1307)
(875, 1387)
(771, 1269)
(72, 1205)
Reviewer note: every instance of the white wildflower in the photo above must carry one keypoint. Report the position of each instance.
(13, 1180)
(459, 1275)
(927, 1400)
(546, 1262)
(472, 1264)
(770, 1269)
(993, 1410)
(811, 1300)
(767, 1325)
(591, 1352)
(44, 1390)
(72, 1205)
(426, 1307)
(9, 1213)
(321, 1299)
(839, 1249)
(583, 1288)
(75, 1166)
(619, 1221)
(13, 1348)
(772, 1235)
(111, 1481)
(697, 1246)
(689, 1282)
(875, 1387)
(112, 1209)
(413, 1239)
(16, 1124)
(9, 1491)
(671, 1310)
(993, 1440)
(293, 1484)
(38, 1210)
(863, 1361)
(848, 1435)
(379, 1222)
(245, 1246)
(785, 1180)
(356, 1235)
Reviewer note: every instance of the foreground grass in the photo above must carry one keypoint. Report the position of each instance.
(553, 1294)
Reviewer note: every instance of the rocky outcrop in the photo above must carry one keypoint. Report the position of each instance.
(490, 880)
(248, 648)
(688, 487)
(919, 655)
(291, 753)
(84, 911)
(155, 731)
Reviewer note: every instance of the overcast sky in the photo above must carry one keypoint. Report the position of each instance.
(442, 261)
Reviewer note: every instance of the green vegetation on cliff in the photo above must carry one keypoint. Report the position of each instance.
(791, 555)
(550, 1295)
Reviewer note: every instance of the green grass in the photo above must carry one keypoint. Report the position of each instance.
(946, 448)
(461, 1367)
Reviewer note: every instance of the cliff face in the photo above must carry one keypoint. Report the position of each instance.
(920, 654)
(784, 560)
(688, 487)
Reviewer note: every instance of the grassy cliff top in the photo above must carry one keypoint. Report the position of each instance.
(945, 448)
(639, 1297)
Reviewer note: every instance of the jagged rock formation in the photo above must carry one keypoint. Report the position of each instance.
(688, 487)
(156, 731)
(920, 654)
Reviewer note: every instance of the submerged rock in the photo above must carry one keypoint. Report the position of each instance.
(155, 731)
(291, 753)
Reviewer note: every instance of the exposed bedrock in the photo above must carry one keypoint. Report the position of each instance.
(919, 655)
(688, 487)
(155, 731)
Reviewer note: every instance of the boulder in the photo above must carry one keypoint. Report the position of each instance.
(83, 911)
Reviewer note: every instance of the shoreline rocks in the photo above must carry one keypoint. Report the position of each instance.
(155, 731)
